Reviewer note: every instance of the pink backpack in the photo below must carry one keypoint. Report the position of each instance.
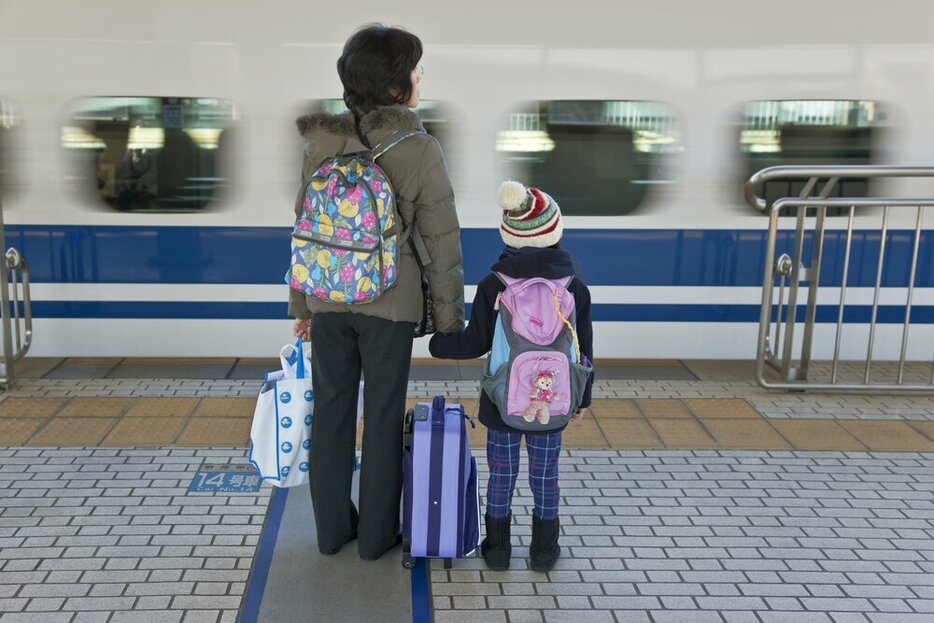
(535, 374)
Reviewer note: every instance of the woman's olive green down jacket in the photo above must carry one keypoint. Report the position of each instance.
(423, 192)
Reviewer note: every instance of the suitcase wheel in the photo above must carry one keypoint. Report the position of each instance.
(447, 563)
(407, 561)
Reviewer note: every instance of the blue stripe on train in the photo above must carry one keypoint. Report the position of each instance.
(625, 257)
(888, 314)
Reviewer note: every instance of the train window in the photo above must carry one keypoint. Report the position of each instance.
(812, 132)
(439, 119)
(7, 129)
(595, 157)
(141, 154)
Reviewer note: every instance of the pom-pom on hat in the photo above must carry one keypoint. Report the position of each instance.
(531, 218)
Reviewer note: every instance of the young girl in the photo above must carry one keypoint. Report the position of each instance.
(531, 229)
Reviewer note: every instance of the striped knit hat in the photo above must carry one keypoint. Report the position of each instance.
(531, 218)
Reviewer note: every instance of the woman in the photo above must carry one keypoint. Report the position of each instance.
(380, 72)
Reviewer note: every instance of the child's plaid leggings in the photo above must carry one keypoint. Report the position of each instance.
(502, 455)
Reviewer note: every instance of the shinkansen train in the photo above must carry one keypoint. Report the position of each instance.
(149, 159)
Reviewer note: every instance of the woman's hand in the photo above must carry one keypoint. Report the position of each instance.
(577, 415)
(302, 329)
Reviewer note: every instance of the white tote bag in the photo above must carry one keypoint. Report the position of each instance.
(281, 430)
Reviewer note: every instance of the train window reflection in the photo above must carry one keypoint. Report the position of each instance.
(7, 130)
(595, 157)
(439, 118)
(810, 132)
(139, 154)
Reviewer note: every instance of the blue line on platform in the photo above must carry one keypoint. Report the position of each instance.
(256, 586)
(421, 597)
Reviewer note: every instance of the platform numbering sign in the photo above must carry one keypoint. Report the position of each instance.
(225, 478)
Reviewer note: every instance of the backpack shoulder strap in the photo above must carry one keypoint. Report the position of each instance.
(391, 140)
(507, 280)
(410, 233)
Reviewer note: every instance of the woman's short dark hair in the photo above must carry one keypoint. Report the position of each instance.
(376, 67)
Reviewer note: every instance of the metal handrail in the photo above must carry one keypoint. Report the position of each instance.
(17, 263)
(16, 341)
(818, 172)
(779, 354)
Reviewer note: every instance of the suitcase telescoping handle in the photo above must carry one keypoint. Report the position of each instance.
(438, 409)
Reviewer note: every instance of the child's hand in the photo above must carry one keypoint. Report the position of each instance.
(577, 415)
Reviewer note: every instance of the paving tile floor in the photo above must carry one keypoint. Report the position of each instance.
(715, 379)
(111, 535)
(689, 423)
(725, 537)
(651, 534)
(254, 368)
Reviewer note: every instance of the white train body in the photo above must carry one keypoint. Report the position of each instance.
(674, 279)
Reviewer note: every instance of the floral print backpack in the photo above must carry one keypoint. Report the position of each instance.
(345, 244)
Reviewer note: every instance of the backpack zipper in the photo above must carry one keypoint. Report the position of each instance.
(331, 241)
(338, 243)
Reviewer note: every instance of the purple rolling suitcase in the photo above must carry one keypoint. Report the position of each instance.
(441, 514)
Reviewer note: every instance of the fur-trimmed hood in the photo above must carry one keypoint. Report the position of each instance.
(335, 124)
(386, 118)
(391, 117)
